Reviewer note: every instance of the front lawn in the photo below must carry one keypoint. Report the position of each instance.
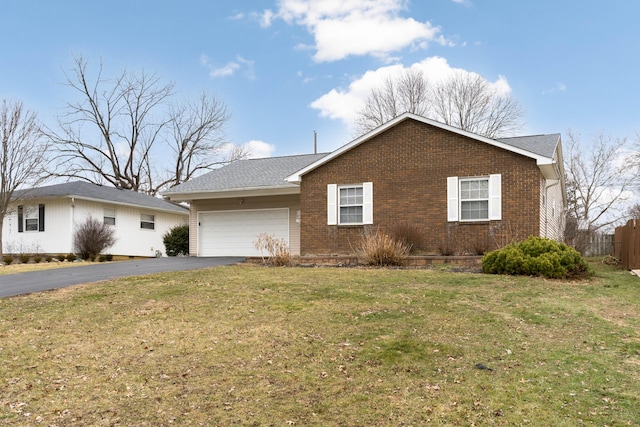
(249, 345)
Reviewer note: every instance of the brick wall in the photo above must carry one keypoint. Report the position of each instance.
(409, 165)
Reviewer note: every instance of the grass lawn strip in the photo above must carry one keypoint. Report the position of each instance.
(250, 345)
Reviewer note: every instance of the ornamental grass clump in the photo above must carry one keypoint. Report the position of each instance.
(278, 250)
(376, 248)
(537, 256)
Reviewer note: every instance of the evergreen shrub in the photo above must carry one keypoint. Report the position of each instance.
(176, 240)
(537, 256)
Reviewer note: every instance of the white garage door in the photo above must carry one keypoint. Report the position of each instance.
(233, 233)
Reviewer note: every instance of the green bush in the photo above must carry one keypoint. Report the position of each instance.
(37, 259)
(24, 258)
(8, 259)
(109, 257)
(537, 256)
(48, 258)
(70, 257)
(176, 240)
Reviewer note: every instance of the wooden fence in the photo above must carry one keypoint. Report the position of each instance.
(600, 245)
(627, 244)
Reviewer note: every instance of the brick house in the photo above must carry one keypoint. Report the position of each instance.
(459, 192)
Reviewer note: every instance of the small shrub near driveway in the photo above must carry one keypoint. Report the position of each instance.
(176, 240)
(537, 256)
(92, 237)
(278, 249)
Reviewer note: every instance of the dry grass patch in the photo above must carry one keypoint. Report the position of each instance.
(249, 345)
(24, 268)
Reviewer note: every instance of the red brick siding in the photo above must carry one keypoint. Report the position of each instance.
(409, 165)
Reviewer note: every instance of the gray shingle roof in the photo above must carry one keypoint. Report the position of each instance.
(269, 172)
(86, 190)
(543, 145)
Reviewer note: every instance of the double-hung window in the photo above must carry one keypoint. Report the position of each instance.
(474, 199)
(350, 204)
(147, 221)
(30, 218)
(109, 216)
(351, 201)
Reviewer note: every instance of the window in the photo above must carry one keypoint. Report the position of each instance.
(109, 216)
(474, 199)
(148, 222)
(350, 204)
(30, 218)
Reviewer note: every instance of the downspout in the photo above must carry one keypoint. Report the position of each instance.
(73, 221)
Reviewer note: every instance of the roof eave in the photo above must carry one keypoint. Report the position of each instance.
(280, 190)
(100, 200)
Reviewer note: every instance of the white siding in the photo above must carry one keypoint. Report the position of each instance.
(56, 237)
(552, 213)
(62, 216)
(131, 239)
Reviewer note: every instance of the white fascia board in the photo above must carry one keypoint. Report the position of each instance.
(296, 178)
(133, 205)
(238, 192)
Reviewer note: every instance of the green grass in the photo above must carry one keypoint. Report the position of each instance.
(248, 345)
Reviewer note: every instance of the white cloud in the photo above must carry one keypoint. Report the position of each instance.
(559, 87)
(259, 149)
(230, 67)
(237, 16)
(356, 27)
(255, 149)
(344, 104)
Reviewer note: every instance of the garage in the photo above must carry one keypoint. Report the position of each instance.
(233, 233)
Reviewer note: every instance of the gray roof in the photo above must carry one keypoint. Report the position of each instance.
(86, 190)
(543, 145)
(245, 174)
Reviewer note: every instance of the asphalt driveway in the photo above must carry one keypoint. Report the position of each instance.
(44, 280)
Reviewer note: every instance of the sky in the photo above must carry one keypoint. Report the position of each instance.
(288, 68)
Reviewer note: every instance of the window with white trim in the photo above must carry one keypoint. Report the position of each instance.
(474, 198)
(147, 222)
(31, 218)
(109, 216)
(350, 204)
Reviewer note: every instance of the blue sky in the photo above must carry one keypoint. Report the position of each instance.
(286, 68)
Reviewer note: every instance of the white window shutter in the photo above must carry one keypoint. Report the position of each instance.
(452, 198)
(367, 206)
(332, 204)
(495, 197)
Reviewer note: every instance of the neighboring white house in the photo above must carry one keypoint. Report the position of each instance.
(43, 220)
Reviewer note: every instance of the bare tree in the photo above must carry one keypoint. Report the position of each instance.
(23, 156)
(124, 132)
(599, 181)
(408, 92)
(466, 101)
(634, 212)
(469, 102)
